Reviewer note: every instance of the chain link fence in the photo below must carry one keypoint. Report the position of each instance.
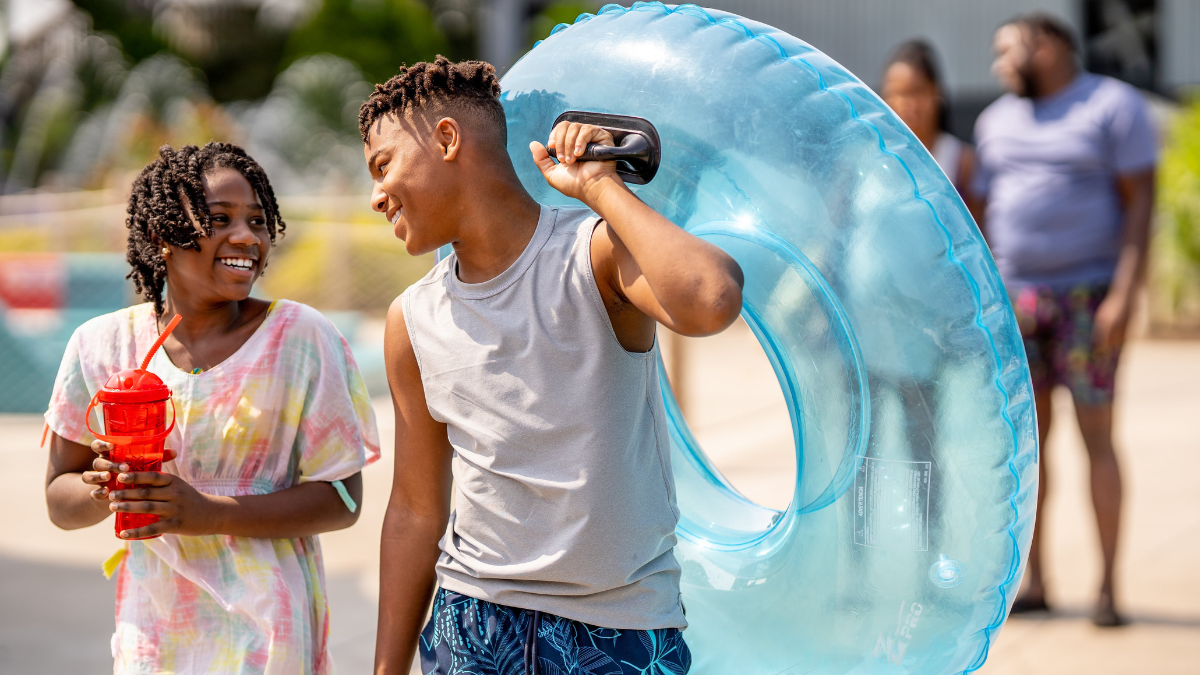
(62, 262)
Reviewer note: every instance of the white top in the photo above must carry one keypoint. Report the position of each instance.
(564, 497)
(948, 152)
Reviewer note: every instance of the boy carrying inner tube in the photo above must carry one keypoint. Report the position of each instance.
(524, 367)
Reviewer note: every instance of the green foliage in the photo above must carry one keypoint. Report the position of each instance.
(1175, 278)
(307, 129)
(1180, 181)
(48, 98)
(244, 57)
(561, 11)
(378, 35)
(239, 57)
(132, 23)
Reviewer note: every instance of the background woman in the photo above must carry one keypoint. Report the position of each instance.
(912, 87)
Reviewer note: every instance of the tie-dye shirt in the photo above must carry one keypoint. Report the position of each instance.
(288, 407)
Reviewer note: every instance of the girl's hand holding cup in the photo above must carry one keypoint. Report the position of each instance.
(181, 509)
(104, 471)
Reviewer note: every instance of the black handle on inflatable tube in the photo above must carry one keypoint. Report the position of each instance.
(638, 149)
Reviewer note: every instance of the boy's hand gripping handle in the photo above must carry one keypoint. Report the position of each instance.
(637, 151)
(634, 146)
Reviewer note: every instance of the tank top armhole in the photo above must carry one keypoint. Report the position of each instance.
(410, 326)
(598, 299)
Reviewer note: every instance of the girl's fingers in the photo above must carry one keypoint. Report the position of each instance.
(148, 531)
(168, 455)
(100, 494)
(96, 477)
(156, 494)
(102, 464)
(100, 447)
(151, 507)
(151, 478)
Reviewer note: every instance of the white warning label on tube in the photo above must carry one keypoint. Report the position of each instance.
(891, 504)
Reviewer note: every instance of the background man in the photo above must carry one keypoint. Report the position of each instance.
(1066, 181)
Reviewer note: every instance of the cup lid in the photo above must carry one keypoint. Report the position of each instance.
(134, 386)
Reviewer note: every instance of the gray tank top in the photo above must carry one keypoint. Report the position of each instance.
(564, 499)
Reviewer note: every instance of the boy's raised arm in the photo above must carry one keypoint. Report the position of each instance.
(677, 279)
(418, 509)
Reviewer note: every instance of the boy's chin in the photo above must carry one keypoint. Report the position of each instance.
(417, 246)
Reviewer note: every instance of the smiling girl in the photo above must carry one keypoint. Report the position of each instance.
(273, 427)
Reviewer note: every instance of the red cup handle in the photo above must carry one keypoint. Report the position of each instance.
(126, 440)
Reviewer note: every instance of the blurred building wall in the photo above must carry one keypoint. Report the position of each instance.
(1179, 23)
(861, 34)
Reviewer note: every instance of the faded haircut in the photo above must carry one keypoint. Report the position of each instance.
(466, 87)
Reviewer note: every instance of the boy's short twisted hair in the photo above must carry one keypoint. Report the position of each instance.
(467, 87)
(156, 208)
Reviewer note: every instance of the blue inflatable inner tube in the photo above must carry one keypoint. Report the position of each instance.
(880, 309)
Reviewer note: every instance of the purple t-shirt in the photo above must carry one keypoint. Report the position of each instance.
(1048, 169)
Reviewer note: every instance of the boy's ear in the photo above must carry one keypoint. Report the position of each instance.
(448, 135)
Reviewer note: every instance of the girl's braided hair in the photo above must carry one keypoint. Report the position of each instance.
(156, 208)
(469, 86)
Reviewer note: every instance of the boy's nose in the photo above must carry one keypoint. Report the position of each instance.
(378, 199)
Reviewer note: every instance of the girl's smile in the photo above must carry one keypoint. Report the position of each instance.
(232, 258)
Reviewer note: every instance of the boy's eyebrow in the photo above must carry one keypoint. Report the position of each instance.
(371, 161)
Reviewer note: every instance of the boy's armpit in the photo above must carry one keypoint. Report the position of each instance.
(617, 277)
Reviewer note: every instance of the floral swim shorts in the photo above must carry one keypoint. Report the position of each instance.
(1057, 328)
(466, 636)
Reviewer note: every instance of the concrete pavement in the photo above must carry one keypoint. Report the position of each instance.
(59, 606)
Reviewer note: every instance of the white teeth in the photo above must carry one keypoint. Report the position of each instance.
(396, 216)
(238, 263)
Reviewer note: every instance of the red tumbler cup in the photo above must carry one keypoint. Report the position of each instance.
(133, 404)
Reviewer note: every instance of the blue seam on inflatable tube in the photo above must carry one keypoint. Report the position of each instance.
(856, 446)
(837, 486)
(1014, 565)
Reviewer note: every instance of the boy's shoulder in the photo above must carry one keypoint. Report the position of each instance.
(566, 221)
(570, 218)
(434, 276)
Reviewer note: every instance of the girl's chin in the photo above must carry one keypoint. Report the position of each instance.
(236, 292)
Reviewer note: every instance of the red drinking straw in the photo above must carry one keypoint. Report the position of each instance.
(145, 363)
(158, 343)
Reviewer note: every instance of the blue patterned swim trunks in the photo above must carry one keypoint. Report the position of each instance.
(466, 636)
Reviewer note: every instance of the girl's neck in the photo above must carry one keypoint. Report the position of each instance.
(210, 332)
(202, 320)
(928, 137)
